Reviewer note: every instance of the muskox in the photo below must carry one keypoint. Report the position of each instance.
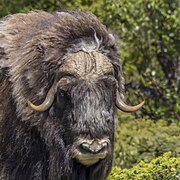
(60, 86)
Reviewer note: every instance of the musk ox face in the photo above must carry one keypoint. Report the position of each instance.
(62, 75)
(82, 97)
(86, 95)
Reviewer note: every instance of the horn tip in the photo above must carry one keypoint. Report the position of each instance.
(29, 104)
(139, 106)
(142, 103)
(33, 107)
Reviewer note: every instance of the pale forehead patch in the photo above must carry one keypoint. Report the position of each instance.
(85, 64)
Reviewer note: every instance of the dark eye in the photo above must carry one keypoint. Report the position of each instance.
(61, 98)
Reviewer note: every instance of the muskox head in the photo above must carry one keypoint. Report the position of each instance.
(69, 64)
(84, 97)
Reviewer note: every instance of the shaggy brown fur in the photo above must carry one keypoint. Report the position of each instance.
(33, 47)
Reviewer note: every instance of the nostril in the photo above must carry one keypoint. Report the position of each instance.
(94, 147)
(85, 146)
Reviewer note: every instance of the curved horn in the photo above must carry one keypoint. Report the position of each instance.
(47, 102)
(124, 107)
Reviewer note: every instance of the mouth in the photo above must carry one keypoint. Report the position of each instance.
(90, 159)
(90, 152)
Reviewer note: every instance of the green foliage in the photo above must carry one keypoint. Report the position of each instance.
(138, 140)
(164, 167)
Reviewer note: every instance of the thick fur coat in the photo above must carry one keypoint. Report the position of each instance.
(33, 46)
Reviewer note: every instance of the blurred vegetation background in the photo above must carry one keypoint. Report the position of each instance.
(148, 34)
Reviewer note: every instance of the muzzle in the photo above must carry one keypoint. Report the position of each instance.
(89, 152)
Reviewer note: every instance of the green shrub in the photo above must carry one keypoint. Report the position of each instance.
(161, 168)
(138, 140)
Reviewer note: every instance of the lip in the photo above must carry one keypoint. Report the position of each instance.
(90, 151)
(90, 159)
